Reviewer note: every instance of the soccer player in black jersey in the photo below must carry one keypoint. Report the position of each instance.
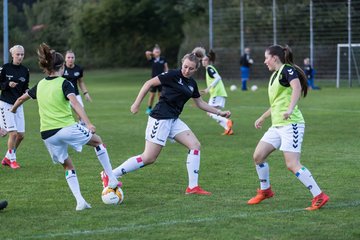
(159, 65)
(74, 73)
(14, 82)
(177, 88)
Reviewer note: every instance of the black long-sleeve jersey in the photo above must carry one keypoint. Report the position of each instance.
(10, 72)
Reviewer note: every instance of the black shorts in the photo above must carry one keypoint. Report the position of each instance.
(155, 89)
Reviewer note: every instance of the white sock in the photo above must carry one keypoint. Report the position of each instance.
(11, 154)
(219, 119)
(74, 186)
(132, 164)
(304, 175)
(263, 172)
(104, 159)
(193, 167)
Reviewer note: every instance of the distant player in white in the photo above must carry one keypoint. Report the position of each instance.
(177, 88)
(57, 126)
(218, 95)
(14, 82)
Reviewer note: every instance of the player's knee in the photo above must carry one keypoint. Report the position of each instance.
(258, 159)
(196, 145)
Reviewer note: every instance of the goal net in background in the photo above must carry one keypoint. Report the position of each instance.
(346, 76)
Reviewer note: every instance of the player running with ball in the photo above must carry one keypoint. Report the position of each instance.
(57, 125)
(178, 87)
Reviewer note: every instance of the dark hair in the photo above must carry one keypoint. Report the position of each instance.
(211, 55)
(195, 56)
(286, 57)
(49, 60)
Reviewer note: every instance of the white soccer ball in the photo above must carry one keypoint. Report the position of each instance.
(233, 88)
(112, 196)
(254, 88)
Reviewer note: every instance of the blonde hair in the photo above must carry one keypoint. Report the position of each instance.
(195, 56)
(12, 50)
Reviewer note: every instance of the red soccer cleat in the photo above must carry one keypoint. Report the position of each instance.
(197, 190)
(318, 201)
(12, 164)
(105, 180)
(261, 195)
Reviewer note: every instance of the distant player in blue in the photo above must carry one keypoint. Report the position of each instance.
(164, 122)
(75, 74)
(245, 62)
(310, 73)
(159, 65)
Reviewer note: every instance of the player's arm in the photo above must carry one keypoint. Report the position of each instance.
(19, 101)
(148, 55)
(295, 96)
(80, 111)
(84, 89)
(200, 103)
(142, 93)
(166, 67)
(259, 122)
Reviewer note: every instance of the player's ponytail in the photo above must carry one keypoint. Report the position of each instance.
(211, 55)
(49, 60)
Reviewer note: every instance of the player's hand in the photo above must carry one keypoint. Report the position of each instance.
(12, 84)
(134, 108)
(204, 91)
(287, 115)
(88, 98)
(225, 114)
(91, 127)
(259, 122)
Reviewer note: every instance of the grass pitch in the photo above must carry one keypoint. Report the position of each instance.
(41, 205)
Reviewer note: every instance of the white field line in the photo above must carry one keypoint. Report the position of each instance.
(136, 227)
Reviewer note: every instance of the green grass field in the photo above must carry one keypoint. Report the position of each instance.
(41, 205)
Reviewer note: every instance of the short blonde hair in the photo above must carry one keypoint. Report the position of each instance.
(16, 47)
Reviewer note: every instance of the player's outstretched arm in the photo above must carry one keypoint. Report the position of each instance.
(207, 108)
(81, 112)
(142, 93)
(19, 101)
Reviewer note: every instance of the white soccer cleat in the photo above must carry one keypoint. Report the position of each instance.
(82, 205)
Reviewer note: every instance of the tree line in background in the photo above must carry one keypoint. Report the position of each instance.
(116, 33)
(111, 33)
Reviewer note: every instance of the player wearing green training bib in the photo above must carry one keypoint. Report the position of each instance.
(58, 128)
(287, 83)
(218, 95)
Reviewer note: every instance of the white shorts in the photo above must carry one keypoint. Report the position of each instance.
(78, 97)
(217, 101)
(158, 131)
(75, 136)
(287, 138)
(12, 121)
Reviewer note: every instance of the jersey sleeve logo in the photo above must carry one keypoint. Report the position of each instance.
(180, 82)
(290, 71)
